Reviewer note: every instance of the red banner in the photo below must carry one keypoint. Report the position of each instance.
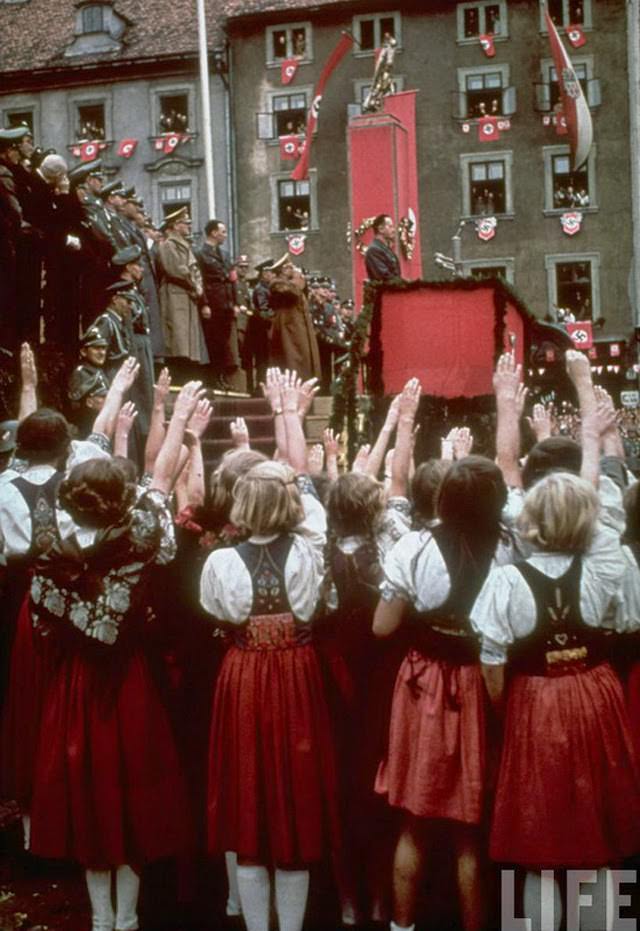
(574, 105)
(487, 45)
(301, 170)
(127, 147)
(488, 130)
(288, 70)
(581, 333)
(289, 147)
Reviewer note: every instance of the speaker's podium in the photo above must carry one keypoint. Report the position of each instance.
(449, 334)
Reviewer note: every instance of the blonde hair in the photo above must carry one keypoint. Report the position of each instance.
(266, 500)
(233, 464)
(560, 513)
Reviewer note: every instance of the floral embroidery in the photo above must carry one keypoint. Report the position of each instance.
(54, 603)
(79, 614)
(36, 589)
(118, 598)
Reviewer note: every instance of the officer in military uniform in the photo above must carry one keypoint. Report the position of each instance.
(127, 263)
(112, 195)
(88, 384)
(258, 328)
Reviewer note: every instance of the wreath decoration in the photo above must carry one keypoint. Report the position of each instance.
(359, 232)
(407, 233)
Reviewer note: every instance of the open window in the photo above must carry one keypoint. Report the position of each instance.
(574, 285)
(567, 13)
(484, 91)
(174, 195)
(371, 31)
(294, 204)
(481, 269)
(174, 113)
(291, 40)
(91, 122)
(486, 184)
(548, 89)
(567, 188)
(486, 17)
(286, 114)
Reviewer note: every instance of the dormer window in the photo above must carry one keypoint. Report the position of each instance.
(98, 28)
(93, 18)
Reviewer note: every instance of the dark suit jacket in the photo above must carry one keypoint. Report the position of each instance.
(381, 262)
(219, 290)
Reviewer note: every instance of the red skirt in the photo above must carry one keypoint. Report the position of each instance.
(108, 786)
(435, 766)
(29, 675)
(568, 789)
(633, 704)
(272, 779)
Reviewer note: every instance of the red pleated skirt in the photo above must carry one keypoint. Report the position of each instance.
(29, 674)
(633, 704)
(108, 787)
(272, 794)
(435, 766)
(568, 789)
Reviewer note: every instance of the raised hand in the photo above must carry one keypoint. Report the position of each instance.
(291, 385)
(315, 459)
(578, 366)
(409, 399)
(126, 418)
(272, 388)
(187, 399)
(462, 443)
(540, 421)
(507, 378)
(362, 457)
(28, 370)
(162, 386)
(239, 433)
(126, 375)
(393, 413)
(306, 393)
(330, 441)
(199, 420)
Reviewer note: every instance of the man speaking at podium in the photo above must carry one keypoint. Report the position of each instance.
(380, 259)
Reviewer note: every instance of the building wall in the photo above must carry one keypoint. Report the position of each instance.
(428, 59)
(131, 112)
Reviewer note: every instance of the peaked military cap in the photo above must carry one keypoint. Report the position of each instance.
(181, 215)
(123, 288)
(113, 187)
(265, 265)
(12, 136)
(94, 337)
(79, 174)
(126, 255)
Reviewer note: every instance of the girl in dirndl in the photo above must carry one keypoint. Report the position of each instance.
(568, 792)
(108, 786)
(272, 781)
(436, 760)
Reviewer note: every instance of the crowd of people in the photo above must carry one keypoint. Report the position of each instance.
(304, 663)
(79, 253)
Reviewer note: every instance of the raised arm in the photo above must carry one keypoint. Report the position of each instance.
(272, 390)
(28, 382)
(579, 371)
(330, 442)
(105, 422)
(166, 464)
(124, 423)
(155, 437)
(612, 444)
(377, 454)
(292, 389)
(401, 462)
(506, 384)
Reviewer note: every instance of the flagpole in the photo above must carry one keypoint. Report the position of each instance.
(206, 109)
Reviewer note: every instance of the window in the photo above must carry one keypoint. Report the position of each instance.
(174, 113)
(371, 31)
(289, 41)
(489, 268)
(294, 205)
(548, 90)
(19, 118)
(486, 184)
(175, 195)
(91, 124)
(484, 91)
(289, 114)
(566, 189)
(567, 13)
(93, 18)
(486, 17)
(574, 285)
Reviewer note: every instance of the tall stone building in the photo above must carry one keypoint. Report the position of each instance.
(100, 73)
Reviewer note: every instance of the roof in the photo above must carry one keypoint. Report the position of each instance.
(36, 33)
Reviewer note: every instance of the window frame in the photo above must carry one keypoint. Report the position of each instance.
(169, 90)
(466, 160)
(481, 5)
(548, 153)
(167, 180)
(587, 22)
(306, 89)
(551, 262)
(81, 99)
(463, 73)
(32, 107)
(509, 264)
(103, 8)
(377, 43)
(305, 59)
(274, 180)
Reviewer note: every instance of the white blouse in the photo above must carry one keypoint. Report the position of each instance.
(226, 589)
(505, 610)
(416, 572)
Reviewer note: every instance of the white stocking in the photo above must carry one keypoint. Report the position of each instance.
(292, 889)
(99, 886)
(233, 899)
(255, 892)
(127, 889)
